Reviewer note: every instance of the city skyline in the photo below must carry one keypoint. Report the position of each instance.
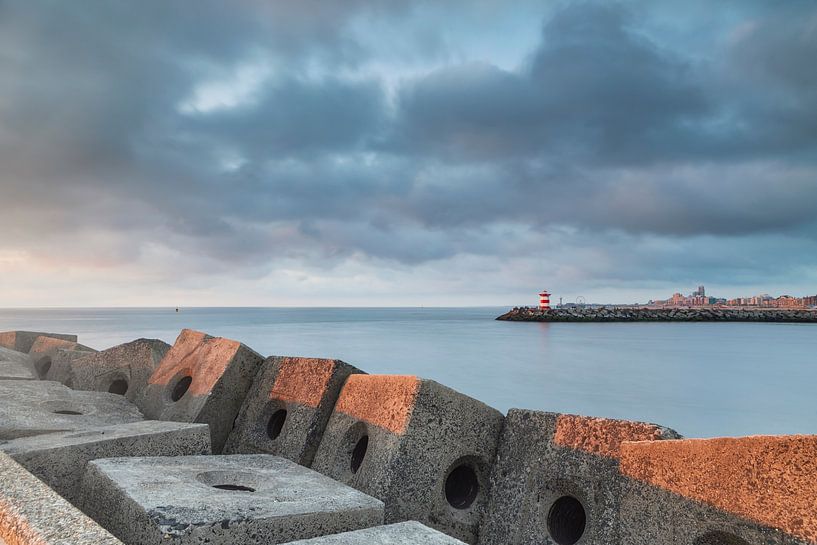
(439, 154)
(700, 298)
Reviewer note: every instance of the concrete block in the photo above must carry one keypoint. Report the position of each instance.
(556, 479)
(123, 369)
(45, 348)
(288, 407)
(402, 533)
(36, 407)
(201, 379)
(233, 499)
(60, 367)
(422, 448)
(33, 514)
(23, 340)
(732, 491)
(15, 365)
(58, 459)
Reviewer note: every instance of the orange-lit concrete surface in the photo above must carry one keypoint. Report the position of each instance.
(302, 380)
(602, 436)
(43, 345)
(288, 406)
(23, 340)
(422, 448)
(198, 355)
(381, 400)
(44, 349)
(201, 379)
(769, 480)
(556, 478)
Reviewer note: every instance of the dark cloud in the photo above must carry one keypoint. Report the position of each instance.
(297, 117)
(594, 90)
(238, 137)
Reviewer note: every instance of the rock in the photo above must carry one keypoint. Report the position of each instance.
(602, 314)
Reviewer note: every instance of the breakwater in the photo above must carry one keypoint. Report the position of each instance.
(637, 314)
(208, 441)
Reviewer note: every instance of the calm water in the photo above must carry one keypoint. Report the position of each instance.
(703, 379)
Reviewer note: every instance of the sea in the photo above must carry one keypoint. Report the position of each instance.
(702, 379)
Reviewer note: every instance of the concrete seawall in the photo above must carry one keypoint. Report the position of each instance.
(620, 314)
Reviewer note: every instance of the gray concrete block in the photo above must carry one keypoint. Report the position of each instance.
(201, 379)
(36, 407)
(557, 481)
(12, 370)
(23, 340)
(235, 499)
(59, 368)
(288, 407)
(402, 533)
(422, 448)
(58, 459)
(45, 348)
(15, 365)
(731, 491)
(33, 514)
(123, 369)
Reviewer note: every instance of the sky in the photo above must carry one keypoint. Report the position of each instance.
(378, 153)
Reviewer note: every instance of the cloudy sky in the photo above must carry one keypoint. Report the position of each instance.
(433, 153)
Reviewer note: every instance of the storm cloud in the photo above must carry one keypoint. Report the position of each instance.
(284, 153)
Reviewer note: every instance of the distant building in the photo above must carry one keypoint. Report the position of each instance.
(698, 298)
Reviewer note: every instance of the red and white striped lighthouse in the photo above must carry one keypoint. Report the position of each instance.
(544, 300)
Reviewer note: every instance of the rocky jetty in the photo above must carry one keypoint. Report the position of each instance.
(640, 314)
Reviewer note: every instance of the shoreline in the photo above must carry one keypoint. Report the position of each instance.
(619, 314)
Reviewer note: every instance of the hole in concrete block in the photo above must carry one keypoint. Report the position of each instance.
(276, 423)
(181, 388)
(66, 411)
(461, 487)
(720, 538)
(233, 481)
(359, 453)
(119, 386)
(566, 520)
(234, 487)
